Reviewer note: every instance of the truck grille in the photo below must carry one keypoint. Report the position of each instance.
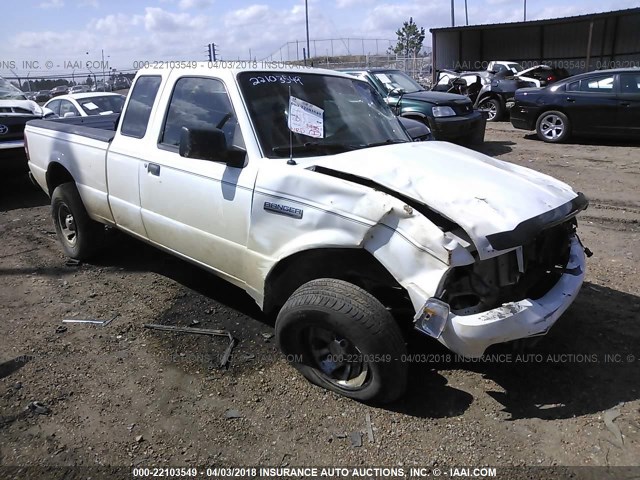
(487, 284)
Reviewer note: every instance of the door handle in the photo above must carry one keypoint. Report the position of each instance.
(154, 169)
(571, 99)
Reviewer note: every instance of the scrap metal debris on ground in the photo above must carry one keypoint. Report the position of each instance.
(103, 323)
(224, 360)
(609, 417)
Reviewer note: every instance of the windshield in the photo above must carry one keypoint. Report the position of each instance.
(102, 105)
(10, 92)
(398, 80)
(514, 67)
(321, 114)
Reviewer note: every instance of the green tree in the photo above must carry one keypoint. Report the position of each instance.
(410, 39)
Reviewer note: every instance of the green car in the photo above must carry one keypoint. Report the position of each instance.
(450, 117)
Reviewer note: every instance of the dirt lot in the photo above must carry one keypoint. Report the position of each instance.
(123, 395)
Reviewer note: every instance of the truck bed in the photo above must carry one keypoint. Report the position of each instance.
(98, 127)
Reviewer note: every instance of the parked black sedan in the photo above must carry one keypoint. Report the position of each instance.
(599, 103)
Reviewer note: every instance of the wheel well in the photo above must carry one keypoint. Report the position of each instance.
(550, 108)
(57, 175)
(353, 265)
(490, 95)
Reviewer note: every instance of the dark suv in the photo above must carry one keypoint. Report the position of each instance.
(450, 117)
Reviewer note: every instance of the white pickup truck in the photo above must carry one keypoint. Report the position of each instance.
(301, 187)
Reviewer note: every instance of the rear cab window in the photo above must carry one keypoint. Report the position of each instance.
(136, 116)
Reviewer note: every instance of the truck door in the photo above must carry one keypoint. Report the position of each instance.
(123, 158)
(198, 208)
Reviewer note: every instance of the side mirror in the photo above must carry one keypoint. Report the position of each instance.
(69, 114)
(209, 144)
(396, 92)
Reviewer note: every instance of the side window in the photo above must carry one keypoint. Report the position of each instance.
(630, 83)
(54, 107)
(573, 87)
(67, 107)
(200, 103)
(136, 117)
(603, 84)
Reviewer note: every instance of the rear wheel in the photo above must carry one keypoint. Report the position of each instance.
(79, 235)
(553, 127)
(342, 339)
(493, 109)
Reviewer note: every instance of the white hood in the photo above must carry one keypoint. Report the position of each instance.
(481, 194)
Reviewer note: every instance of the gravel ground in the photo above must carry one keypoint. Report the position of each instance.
(124, 395)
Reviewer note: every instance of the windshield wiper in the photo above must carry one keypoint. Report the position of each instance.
(283, 150)
(389, 141)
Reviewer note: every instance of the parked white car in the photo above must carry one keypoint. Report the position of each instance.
(301, 187)
(15, 112)
(86, 104)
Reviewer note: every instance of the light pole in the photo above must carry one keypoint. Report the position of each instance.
(525, 10)
(306, 14)
(453, 16)
(102, 55)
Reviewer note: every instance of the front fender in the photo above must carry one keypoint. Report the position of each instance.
(327, 212)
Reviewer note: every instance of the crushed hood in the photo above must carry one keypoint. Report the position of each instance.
(483, 195)
(20, 107)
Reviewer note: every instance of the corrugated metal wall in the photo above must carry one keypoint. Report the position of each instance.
(615, 42)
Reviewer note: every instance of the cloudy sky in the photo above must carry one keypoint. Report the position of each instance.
(73, 31)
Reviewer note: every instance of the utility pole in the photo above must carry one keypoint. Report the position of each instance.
(525, 10)
(306, 14)
(453, 16)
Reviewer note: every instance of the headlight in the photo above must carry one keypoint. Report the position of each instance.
(443, 112)
(432, 317)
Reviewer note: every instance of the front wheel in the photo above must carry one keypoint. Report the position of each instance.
(79, 235)
(553, 127)
(493, 108)
(342, 339)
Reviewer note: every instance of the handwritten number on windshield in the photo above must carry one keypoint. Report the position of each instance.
(285, 79)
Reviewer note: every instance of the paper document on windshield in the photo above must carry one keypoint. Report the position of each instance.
(305, 118)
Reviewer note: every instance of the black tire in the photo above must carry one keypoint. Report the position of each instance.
(79, 235)
(364, 353)
(553, 127)
(493, 107)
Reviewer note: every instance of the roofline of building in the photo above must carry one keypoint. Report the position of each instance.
(549, 21)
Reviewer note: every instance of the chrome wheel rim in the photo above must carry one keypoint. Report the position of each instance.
(67, 225)
(490, 108)
(337, 359)
(551, 127)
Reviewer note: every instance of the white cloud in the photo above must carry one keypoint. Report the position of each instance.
(159, 20)
(351, 3)
(52, 4)
(189, 4)
(385, 19)
(252, 15)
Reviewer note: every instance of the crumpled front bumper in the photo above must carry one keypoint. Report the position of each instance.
(470, 335)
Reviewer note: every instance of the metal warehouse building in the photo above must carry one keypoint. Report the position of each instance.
(580, 43)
